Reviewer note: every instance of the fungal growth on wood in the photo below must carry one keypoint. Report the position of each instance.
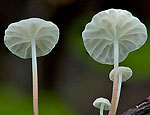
(110, 37)
(32, 38)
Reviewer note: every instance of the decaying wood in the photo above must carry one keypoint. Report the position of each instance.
(140, 109)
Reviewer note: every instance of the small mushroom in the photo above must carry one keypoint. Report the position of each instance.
(32, 38)
(102, 104)
(110, 37)
(124, 74)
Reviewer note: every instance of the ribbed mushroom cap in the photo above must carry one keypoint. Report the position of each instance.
(97, 103)
(18, 37)
(110, 25)
(126, 73)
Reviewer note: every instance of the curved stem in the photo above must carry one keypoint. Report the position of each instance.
(114, 100)
(101, 109)
(35, 78)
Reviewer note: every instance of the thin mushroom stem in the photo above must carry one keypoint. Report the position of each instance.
(101, 109)
(35, 78)
(114, 100)
(119, 85)
(116, 54)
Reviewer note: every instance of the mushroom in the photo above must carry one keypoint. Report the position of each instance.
(124, 74)
(110, 37)
(32, 38)
(102, 104)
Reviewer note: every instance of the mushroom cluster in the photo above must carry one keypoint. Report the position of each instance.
(32, 38)
(109, 38)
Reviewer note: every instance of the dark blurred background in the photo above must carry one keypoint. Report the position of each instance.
(69, 79)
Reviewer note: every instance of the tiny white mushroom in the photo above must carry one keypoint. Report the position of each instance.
(124, 74)
(102, 104)
(32, 38)
(110, 37)
(113, 32)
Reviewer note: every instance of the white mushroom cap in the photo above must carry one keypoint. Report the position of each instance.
(126, 73)
(97, 103)
(110, 25)
(18, 37)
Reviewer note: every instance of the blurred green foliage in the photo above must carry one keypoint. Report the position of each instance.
(16, 102)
